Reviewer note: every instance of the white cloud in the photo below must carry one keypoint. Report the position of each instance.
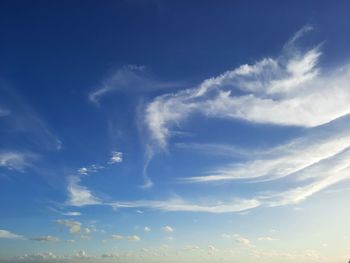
(117, 237)
(39, 257)
(243, 241)
(236, 205)
(117, 157)
(45, 239)
(8, 235)
(73, 226)
(13, 160)
(81, 255)
(288, 90)
(284, 160)
(146, 229)
(130, 78)
(80, 195)
(267, 238)
(134, 238)
(71, 214)
(90, 169)
(168, 229)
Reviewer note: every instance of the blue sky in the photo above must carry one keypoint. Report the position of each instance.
(174, 131)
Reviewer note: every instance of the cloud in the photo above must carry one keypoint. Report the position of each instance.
(284, 160)
(73, 226)
(129, 78)
(14, 160)
(81, 255)
(80, 195)
(243, 241)
(8, 235)
(288, 90)
(267, 239)
(72, 214)
(134, 238)
(45, 239)
(146, 229)
(117, 157)
(117, 237)
(39, 257)
(235, 205)
(24, 124)
(168, 229)
(90, 169)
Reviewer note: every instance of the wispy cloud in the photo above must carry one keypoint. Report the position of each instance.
(129, 78)
(8, 235)
(14, 160)
(289, 159)
(45, 239)
(287, 90)
(71, 214)
(80, 195)
(25, 123)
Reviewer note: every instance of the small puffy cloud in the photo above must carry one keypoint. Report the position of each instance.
(90, 169)
(146, 229)
(8, 235)
(73, 226)
(117, 237)
(168, 229)
(45, 239)
(267, 238)
(134, 238)
(117, 157)
(243, 241)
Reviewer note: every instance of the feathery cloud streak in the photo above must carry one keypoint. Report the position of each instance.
(287, 90)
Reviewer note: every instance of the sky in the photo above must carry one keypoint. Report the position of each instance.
(174, 131)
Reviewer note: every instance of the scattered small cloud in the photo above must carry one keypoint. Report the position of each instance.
(168, 229)
(90, 169)
(117, 157)
(134, 238)
(117, 237)
(146, 229)
(73, 226)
